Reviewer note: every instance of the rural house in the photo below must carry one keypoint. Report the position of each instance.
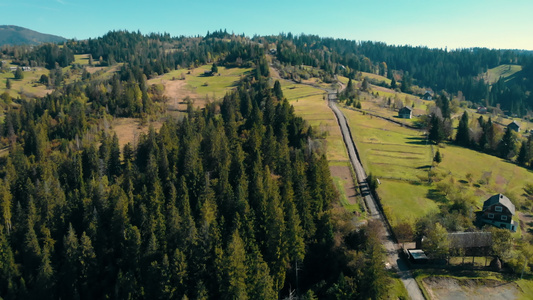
(514, 126)
(405, 112)
(427, 96)
(498, 211)
(482, 110)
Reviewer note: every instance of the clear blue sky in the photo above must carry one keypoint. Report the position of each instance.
(433, 23)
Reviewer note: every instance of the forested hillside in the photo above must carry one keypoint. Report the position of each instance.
(436, 69)
(230, 201)
(15, 35)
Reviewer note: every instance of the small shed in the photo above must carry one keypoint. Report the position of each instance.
(405, 112)
(427, 96)
(514, 126)
(482, 110)
(417, 256)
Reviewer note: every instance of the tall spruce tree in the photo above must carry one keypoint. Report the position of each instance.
(463, 131)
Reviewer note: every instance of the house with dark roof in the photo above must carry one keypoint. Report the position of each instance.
(405, 112)
(427, 96)
(498, 211)
(482, 110)
(514, 126)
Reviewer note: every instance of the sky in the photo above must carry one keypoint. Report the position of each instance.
(432, 23)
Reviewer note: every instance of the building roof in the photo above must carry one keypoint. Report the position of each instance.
(404, 108)
(417, 254)
(501, 199)
(470, 239)
(514, 123)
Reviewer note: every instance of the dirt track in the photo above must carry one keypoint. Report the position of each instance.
(388, 242)
(447, 288)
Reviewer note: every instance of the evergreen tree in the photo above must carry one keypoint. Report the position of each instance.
(375, 276)
(277, 90)
(235, 271)
(507, 145)
(438, 157)
(8, 84)
(436, 130)
(463, 132)
(523, 155)
(19, 75)
(5, 206)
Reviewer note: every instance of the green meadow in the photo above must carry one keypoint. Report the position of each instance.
(489, 174)
(28, 85)
(503, 71)
(216, 85)
(309, 103)
(400, 158)
(81, 59)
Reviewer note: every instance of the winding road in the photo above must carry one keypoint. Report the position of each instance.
(390, 245)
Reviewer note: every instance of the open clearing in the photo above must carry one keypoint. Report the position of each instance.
(504, 71)
(129, 129)
(400, 157)
(183, 83)
(447, 288)
(490, 174)
(28, 85)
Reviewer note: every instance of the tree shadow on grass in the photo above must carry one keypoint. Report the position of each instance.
(424, 167)
(417, 141)
(436, 196)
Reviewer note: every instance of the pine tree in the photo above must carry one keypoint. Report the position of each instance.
(277, 90)
(8, 84)
(5, 205)
(507, 147)
(19, 75)
(436, 131)
(438, 157)
(463, 132)
(375, 276)
(235, 271)
(522, 158)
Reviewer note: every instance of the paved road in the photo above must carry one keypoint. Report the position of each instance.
(391, 247)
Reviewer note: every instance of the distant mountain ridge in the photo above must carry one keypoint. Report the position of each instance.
(15, 35)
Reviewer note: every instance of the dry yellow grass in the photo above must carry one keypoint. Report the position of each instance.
(129, 129)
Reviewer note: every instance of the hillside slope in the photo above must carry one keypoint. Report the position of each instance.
(15, 35)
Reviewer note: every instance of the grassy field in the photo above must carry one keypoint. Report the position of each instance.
(81, 59)
(498, 175)
(28, 85)
(339, 184)
(505, 71)
(217, 85)
(399, 156)
(309, 103)
(199, 86)
(389, 150)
